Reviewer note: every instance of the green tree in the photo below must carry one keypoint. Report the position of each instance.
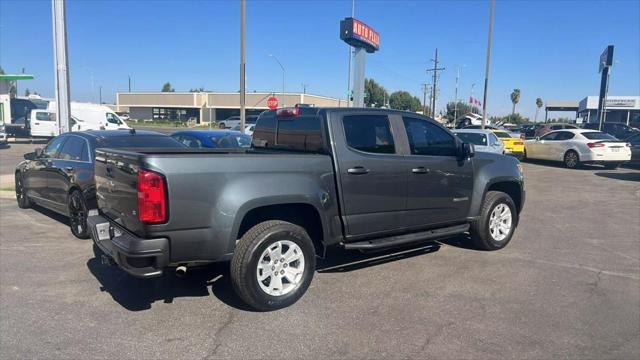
(27, 92)
(375, 94)
(515, 99)
(200, 89)
(539, 104)
(402, 100)
(167, 87)
(462, 109)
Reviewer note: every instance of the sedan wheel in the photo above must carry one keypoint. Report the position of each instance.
(500, 222)
(571, 159)
(78, 215)
(21, 193)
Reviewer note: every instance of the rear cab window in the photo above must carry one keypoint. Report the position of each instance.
(369, 133)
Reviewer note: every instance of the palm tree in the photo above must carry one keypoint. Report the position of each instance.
(538, 106)
(515, 98)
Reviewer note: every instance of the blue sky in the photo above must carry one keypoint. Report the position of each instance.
(548, 49)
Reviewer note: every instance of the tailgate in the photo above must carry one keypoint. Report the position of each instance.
(116, 176)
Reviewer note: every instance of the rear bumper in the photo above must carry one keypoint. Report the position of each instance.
(143, 258)
(592, 157)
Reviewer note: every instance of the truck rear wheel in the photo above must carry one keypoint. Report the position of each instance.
(273, 265)
(498, 221)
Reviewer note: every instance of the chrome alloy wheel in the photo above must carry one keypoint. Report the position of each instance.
(571, 159)
(280, 268)
(500, 222)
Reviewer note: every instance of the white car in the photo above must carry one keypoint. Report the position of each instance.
(483, 140)
(579, 146)
(248, 128)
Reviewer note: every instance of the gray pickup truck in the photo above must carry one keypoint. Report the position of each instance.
(363, 179)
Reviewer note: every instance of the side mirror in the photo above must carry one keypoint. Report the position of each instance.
(30, 156)
(537, 138)
(37, 152)
(466, 151)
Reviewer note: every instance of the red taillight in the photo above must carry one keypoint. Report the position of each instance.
(595, 145)
(152, 200)
(288, 112)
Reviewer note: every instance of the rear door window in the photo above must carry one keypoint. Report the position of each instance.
(369, 133)
(565, 135)
(426, 138)
(550, 136)
(73, 149)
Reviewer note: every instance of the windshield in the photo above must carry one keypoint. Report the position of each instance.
(502, 134)
(473, 138)
(137, 141)
(597, 135)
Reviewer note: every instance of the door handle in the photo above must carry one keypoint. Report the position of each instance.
(420, 170)
(358, 170)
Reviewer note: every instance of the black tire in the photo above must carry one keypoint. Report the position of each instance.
(248, 252)
(221, 126)
(571, 159)
(611, 166)
(480, 230)
(78, 212)
(21, 193)
(524, 156)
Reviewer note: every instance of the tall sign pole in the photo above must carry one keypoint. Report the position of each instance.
(488, 66)
(61, 64)
(243, 66)
(353, 11)
(606, 60)
(365, 40)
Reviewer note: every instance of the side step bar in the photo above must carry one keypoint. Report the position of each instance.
(392, 241)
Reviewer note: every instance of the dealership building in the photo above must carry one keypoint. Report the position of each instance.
(205, 107)
(624, 109)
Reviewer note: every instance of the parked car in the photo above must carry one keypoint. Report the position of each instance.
(579, 146)
(60, 176)
(124, 116)
(482, 140)
(634, 143)
(513, 144)
(617, 130)
(213, 139)
(548, 127)
(248, 129)
(315, 177)
(232, 121)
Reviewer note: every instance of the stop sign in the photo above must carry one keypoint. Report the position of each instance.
(272, 102)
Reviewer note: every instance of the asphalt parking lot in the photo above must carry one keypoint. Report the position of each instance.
(568, 286)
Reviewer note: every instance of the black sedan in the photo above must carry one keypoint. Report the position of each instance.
(634, 142)
(60, 176)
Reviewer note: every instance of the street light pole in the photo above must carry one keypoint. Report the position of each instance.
(61, 64)
(486, 77)
(100, 96)
(129, 76)
(353, 10)
(242, 66)
(284, 103)
(455, 102)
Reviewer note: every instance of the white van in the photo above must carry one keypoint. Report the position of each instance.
(94, 116)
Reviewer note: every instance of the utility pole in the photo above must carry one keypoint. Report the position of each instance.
(353, 10)
(435, 70)
(242, 65)
(304, 88)
(486, 76)
(61, 64)
(100, 96)
(129, 76)
(283, 72)
(425, 87)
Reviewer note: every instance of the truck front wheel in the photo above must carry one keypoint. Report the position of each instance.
(273, 265)
(497, 222)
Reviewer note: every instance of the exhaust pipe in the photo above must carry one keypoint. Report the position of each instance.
(181, 271)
